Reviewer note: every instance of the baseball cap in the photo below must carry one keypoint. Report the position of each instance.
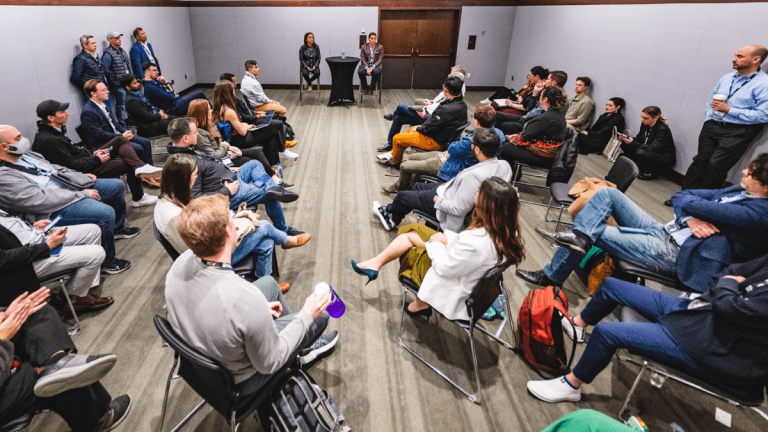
(110, 35)
(50, 107)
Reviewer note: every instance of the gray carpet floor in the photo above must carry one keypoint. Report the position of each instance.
(378, 385)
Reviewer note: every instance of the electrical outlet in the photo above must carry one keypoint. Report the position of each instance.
(468, 74)
(723, 417)
(482, 33)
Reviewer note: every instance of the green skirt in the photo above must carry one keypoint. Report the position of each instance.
(415, 263)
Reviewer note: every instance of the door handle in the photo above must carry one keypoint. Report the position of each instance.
(412, 48)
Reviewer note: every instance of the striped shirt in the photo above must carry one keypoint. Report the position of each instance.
(747, 97)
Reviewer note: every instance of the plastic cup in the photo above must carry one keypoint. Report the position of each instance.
(719, 97)
(336, 308)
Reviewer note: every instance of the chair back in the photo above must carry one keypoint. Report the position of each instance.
(485, 292)
(623, 173)
(565, 159)
(212, 381)
(457, 133)
(166, 244)
(83, 136)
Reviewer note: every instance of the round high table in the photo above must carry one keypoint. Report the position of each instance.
(342, 72)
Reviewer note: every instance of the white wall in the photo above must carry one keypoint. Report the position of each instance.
(668, 55)
(224, 38)
(38, 43)
(487, 63)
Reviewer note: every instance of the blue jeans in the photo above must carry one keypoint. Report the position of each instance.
(648, 339)
(420, 197)
(375, 73)
(260, 242)
(181, 105)
(143, 148)
(118, 93)
(638, 239)
(402, 116)
(253, 185)
(108, 213)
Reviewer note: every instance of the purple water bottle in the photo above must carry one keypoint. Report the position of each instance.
(336, 308)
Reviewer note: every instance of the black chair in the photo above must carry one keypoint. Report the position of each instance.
(212, 381)
(378, 87)
(162, 145)
(62, 278)
(317, 83)
(84, 141)
(455, 137)
(17, 424)
(564, 161)
(485, 292)
(623, 172)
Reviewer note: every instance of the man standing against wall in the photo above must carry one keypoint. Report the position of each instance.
(142, 52)
(116, 63)
(582, 107)
(736, 111)
(87, 66)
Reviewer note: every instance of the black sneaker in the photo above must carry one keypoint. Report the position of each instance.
(115, 266)
(287, 186)
(280, 193)
(322, 345)
(291, 231)
(118, 411)
(127, 232)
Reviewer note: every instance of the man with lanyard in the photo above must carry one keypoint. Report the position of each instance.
(149, 120)
(731, 124)
(711, 229)
(371, 56)
(142, 52)
(117, 64)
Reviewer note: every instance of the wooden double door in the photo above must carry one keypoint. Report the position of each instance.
(419, 47)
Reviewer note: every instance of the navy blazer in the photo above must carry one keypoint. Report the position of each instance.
(743, 233)
(97, 126)
(139, 57)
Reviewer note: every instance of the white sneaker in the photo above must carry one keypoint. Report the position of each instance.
(384, 217)
(148, 171)
(569, 330)
(383, 157)
(554, 390)
(146, 200)
(287, 154)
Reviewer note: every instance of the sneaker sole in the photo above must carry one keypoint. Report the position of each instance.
(156, 174)
(137, 204)
(120, 420)
(114, 272)
(541, 398)
(559, 242)
(283, 198)
(126, 236)
(313, 355)
(381, 216)
(74, 377)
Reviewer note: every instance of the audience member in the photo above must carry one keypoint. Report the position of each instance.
(248, 328)
(250, 184)
(52, 142)
(653, 149)
(34, 189)
(254, 94)
(536, 75)
(542, 136)
(446, 266)
(116, 63)
(594, 138)
(49, 375)
(149, 120)
(371, 58)
(142, 52)
(87, 66)
(711, 229)
(445, 165)
(732, 124)
(449, 202)
(309, 56)
(180, 173)
(23, 244)
(101, 127)
(406, 115)
(581, 107)
(513, 124)
(161, 93)
(719, 337)
(437, 129)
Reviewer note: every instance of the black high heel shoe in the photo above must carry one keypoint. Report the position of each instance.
(372, 274)
(424, 312)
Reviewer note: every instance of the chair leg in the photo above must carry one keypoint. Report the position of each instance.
(632, 390)
(473, 398)
(77, 327)
(189, 416)
(233, 423)
(167, 390)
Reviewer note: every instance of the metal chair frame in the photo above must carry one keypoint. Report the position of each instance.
(302, 91)
(62, 278)
(378, 85)
(517, 171)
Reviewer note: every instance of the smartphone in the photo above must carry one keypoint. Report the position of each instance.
(51, 224)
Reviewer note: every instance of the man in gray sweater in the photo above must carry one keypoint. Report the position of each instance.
(249, 329)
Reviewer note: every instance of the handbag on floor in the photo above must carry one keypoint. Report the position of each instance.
(613, 148)
(300, 405)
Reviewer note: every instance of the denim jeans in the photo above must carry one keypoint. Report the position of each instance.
(181, 105)
(108, 213)
(118, 93)
(648, 339)
(638, 239)
(402, 116)
(421, 197)
(374, 76)
(253, 185)
(143, 148)
(261, 242)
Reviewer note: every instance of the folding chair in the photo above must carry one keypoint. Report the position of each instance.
(567, 155)
(62, 278)
(302, 90)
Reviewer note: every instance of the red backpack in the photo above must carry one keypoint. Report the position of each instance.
(540, 331)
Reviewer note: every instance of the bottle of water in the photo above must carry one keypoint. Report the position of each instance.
(343, 54)
(279, 170)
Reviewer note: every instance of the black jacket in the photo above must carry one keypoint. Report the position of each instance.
(85, 67)
(16, 272)
(210, 173)
(309, 56)
(449, 116)
(143, 115)
(245, 113)
(657, 139)
(549, 126)
(603, 127)
(728, 336)
(57, 148)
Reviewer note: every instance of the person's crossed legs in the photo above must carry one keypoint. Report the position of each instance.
(254, 183)
(421, 197)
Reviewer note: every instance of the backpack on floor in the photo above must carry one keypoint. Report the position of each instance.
(540, 335)
(300, 405)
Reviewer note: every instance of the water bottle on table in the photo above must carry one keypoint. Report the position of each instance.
(343, 54)
(336, 308)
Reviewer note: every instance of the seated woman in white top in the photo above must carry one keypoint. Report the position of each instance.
(447, 266)
(179, 173)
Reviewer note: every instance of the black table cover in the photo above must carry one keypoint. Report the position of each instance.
(342, 72)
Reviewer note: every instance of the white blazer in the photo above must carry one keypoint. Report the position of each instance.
(455, 270)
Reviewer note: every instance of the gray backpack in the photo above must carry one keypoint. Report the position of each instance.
(300, 405)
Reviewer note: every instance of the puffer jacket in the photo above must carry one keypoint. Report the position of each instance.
(116, 64)
(84, 68)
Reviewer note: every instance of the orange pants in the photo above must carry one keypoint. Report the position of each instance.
(411, 138)
(279, 109)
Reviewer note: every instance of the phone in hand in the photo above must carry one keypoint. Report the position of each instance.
(51, 224)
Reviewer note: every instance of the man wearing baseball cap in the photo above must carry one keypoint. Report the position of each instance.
(117, 63)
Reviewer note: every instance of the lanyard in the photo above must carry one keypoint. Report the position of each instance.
(732, 92)
(216, 264)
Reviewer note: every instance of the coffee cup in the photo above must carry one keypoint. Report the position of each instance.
(719, 97)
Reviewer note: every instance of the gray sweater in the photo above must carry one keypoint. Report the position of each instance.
(207, 144)
(227, 318)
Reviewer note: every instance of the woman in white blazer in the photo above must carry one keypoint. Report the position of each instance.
(447, 266)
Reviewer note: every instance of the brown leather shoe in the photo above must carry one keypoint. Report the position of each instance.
(301, 240)
(284, 287)
(91, 303)
(391, 189)
(154, 182)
